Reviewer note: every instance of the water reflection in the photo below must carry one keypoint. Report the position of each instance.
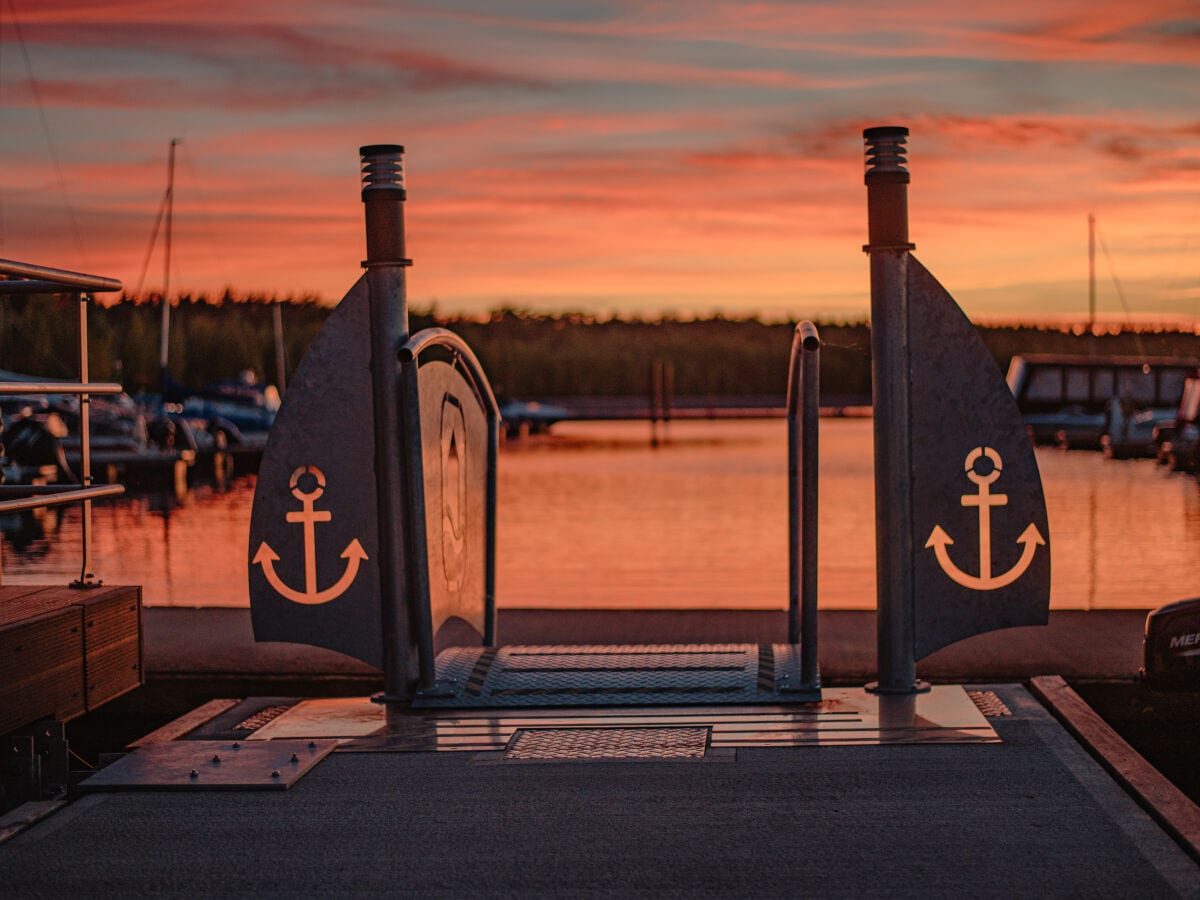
(595, 517)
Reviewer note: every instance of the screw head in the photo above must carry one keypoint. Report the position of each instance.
(193, 774)
(295, 758)
(275, 773)
(216, 759)
(237, 745)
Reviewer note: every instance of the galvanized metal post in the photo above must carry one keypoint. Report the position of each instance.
(383, 196)
(887, 181)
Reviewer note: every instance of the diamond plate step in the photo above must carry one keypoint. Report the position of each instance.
(618, 675)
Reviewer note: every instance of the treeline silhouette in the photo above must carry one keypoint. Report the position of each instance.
(526, 354)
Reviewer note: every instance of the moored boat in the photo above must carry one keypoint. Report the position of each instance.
(1070, 400)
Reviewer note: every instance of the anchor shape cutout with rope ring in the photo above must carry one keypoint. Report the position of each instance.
(939, 540)
(308, 517)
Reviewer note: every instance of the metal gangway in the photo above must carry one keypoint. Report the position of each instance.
(373, 531)
(400, 506)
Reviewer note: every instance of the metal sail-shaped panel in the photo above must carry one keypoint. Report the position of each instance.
(314, 578)
(981, 555)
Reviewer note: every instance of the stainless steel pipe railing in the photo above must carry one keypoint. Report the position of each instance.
(25, 278)
(803, 418)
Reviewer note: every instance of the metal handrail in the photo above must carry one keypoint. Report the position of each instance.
(21, 388)
(408, 354)
(28, 278)
(803, 417)
(62, 279)
(60, 498)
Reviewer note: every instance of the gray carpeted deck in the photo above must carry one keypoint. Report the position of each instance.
(1031, 816)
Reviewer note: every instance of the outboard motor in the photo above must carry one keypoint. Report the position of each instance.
(29, 442)
(1172, 647)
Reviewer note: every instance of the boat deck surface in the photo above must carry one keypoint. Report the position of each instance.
(1031, 814)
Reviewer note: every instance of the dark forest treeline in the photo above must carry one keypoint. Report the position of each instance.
(525, 354)
(209, 340)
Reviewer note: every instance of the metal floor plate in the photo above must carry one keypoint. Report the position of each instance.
(608, 743)
(623, 675)
(846, 716)
(211, 765)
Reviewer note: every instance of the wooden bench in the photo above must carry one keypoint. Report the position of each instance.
(65, 651)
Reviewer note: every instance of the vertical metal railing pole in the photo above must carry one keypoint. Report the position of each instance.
(803, 415)
(412, 464)
(887, 181)
(85, 446)
(808, 489)
(489, 559)
(383, 196)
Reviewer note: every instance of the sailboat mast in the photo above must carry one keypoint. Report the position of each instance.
(1091, 273)
(169, 204)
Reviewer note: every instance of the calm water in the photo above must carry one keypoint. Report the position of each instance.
(596, 518)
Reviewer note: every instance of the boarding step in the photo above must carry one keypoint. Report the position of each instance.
(617, 675)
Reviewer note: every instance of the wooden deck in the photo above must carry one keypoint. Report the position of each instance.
(65, 651)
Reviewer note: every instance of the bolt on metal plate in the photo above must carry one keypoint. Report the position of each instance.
(211, 765)
(608, 743)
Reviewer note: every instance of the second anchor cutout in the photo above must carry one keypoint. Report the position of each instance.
(939, 540)
(308, 517)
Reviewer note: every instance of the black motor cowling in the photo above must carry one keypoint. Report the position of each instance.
(28, 442)
(1172, 647)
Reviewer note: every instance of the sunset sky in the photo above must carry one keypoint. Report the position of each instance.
(617, 156)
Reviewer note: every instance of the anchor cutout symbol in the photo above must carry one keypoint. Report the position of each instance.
(1030, 538)
(309, 516)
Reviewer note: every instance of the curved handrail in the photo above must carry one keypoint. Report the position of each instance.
(444, 337)
(805, 339)
(419, 560)
(803, 418)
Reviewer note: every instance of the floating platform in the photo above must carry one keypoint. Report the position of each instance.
(1026, 813)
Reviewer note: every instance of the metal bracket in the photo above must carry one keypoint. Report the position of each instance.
(919, 687)
(439, 689)
(33, 764)
(871, 248)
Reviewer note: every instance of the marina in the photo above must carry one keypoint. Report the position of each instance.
(394, 467)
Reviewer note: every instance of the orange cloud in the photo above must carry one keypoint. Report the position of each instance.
(623, 155)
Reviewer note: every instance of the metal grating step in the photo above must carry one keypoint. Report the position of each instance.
(618, 675)
(608, 743)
